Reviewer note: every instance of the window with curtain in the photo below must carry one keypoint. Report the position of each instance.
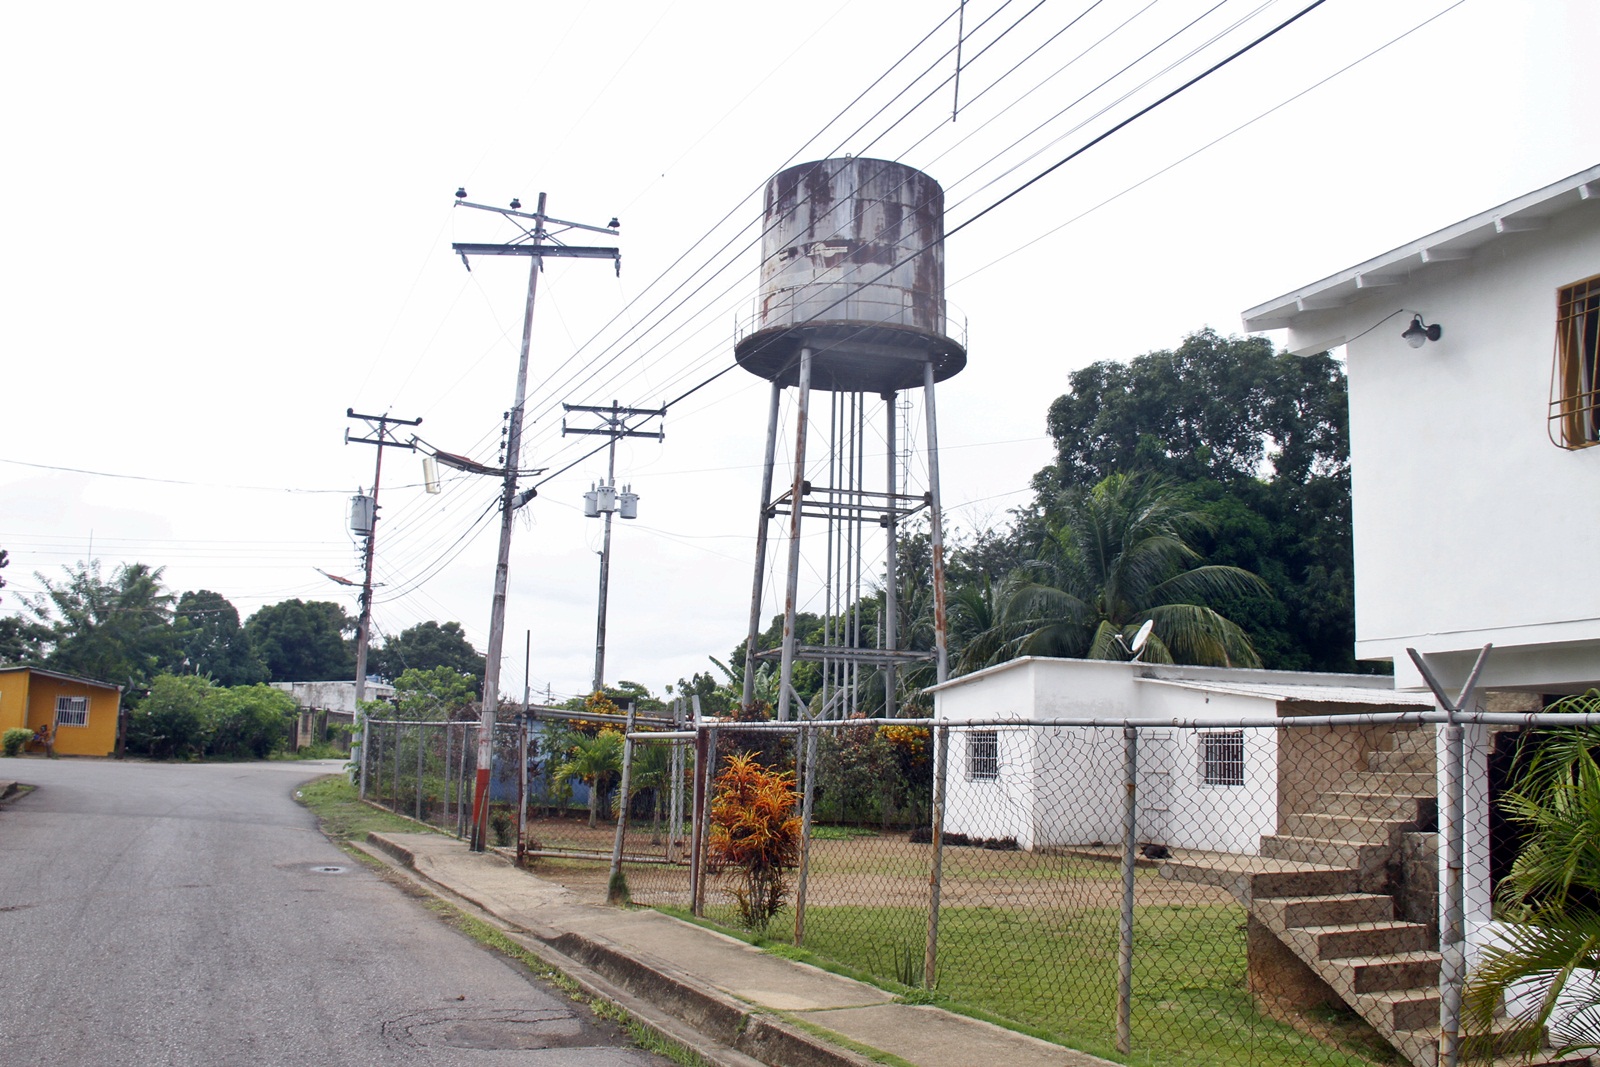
(1574, 383)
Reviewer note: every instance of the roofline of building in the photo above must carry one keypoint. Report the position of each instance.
(1531, 211)
(80, 679)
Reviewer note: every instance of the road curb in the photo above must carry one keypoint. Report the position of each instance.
(721, 1029)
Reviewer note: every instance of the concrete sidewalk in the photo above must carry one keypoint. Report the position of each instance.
(733, 1003)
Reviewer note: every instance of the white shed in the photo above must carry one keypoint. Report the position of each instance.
(1216, 790)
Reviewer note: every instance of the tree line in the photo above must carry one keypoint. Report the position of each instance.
(128, 629)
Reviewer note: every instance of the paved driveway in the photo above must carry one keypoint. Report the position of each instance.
(192, 914)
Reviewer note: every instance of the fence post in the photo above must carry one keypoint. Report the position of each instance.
(1452, 970)
(522, 786)
(394, 784)
(675, 815)
(1130, 855)
(930, 954)
(808, 738)
(704, 780)
(422, 735)
(616, 888)
(366, 733)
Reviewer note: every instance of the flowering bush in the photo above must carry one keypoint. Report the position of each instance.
(755, 829)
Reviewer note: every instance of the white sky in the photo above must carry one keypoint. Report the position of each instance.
(227, 224)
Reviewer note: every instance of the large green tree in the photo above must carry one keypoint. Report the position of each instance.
(211, 641)
(303, 641)
(425, 646)
(1259, 441)
(115, 629)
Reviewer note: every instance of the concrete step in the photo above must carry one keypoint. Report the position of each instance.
(1399, 970)
(1421, 1047)
(1250, 878)
(1358, 855)
(1376, 831)
(1393, 1010)
(1403, 760)
(1418, 808)
(1363, 939)
(1418, 737)
(1332, 909)
(1396, 783)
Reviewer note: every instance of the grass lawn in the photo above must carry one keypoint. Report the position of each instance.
(1055, 973)
(344, 817)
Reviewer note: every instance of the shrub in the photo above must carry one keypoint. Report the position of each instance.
(500, 822)
(13, 740)
(171, 721)
(754, 829)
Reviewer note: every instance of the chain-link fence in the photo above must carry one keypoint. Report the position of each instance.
(1222, 892)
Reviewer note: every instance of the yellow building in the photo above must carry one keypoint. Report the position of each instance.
(82, 711)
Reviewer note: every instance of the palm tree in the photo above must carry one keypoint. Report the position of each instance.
(1553, 947)
(1122, 556)
(592, 761)
(652, 769)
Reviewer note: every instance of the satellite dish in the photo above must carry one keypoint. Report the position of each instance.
(1141, 638)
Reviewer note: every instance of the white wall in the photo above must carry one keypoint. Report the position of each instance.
(1470, 525)
(332, 696)
(1063, 786)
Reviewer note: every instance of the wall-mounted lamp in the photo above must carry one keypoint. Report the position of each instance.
(1417, 333)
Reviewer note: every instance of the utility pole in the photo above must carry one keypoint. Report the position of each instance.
(536, 241)
(603, 499)
(382, 438)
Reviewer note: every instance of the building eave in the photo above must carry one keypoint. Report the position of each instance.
(1461, 241)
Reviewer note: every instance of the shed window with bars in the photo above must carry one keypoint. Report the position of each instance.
(1222, 757)
(72, 711)
(983, 756)
(1574, 381)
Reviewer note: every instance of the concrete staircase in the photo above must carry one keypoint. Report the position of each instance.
(1319, 888)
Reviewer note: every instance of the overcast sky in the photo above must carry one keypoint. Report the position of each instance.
(226, 224)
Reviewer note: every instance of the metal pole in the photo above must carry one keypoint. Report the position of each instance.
(605, 562)
(502, 568)
(749, 695)
(696, 842)
(705, 827)
(675, 813)
(522, 785)
(394, 783)
(1452, 906)
(891, 604)
(522, 749)
(808, 737)
(615, 890)
(421, 735)
(444, 813)
(366, 736)
(936, 529)
(1130, 853)
(930, 955)
(1452, 947)
(792, 588)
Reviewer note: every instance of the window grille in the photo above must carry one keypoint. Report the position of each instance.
(983, 755)
(72, 711)
(1222, 757)
(1575, 379)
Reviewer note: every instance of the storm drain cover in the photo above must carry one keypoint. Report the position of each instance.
(487, 1028)
(329, 870)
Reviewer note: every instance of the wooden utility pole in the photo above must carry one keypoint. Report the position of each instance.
(382, 437)
(536, 241)
(616, 425)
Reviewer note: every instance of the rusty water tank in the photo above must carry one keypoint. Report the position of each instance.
(852, 266)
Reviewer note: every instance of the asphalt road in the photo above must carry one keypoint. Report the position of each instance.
(155, 914)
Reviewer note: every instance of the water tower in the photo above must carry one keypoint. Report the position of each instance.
(851, 304)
